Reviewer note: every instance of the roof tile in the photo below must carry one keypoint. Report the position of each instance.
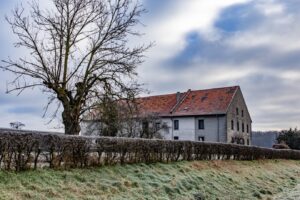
(197, 102)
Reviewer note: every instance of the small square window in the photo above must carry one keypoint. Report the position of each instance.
(176, 138)
(201, 138)
(201, 124)
(176, 124)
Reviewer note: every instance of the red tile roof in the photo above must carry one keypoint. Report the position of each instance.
(197, 102)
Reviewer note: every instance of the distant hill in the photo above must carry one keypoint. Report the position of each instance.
(264, 138)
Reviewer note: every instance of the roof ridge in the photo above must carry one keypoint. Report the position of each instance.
(217, 88)
(159, 95)
(169, 94)
(181, 100)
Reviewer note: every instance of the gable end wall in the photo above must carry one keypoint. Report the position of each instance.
(238, 102)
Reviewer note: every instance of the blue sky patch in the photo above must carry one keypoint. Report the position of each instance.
(24, 110)
(238, 18)
(155, 6)
(199, 50)
(196, 48)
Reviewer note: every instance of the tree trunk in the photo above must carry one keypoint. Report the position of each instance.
(71, 122)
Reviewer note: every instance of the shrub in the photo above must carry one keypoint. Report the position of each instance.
(20, 151)
(280, 146)
(290, 137)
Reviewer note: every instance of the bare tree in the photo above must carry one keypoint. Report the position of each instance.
(124, 118)
(16, 125)
(128, 115)
(78, 52)
(152, 125)
(109, 117)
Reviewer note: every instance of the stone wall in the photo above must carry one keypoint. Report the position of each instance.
(239, 114)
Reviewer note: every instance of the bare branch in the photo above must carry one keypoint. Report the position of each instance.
(78, 52)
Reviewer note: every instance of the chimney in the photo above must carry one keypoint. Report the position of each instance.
(179, 99)
(178, 95)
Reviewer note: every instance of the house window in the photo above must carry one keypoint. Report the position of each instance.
(238, 126)
(157, 126)
(232, 140)
(247, 128)
(201, 124)
(241, 141)
(237, 111)
(242, 113)
(248, 142)
(232, 125)
(176, 138)
(243, 127)
(201, 138)
(145, 126)
(176, 124)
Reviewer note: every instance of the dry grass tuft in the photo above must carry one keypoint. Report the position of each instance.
(181, 180)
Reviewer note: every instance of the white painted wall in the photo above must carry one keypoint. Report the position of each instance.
(214, 128)
(186, 129)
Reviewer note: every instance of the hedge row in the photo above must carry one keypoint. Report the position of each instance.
(30, 150)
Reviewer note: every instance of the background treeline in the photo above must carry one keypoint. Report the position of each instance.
(290, 137)
(21, 151)
(277, 139)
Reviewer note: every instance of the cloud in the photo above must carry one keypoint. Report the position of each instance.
(169, 30)
(254, 44)
(202, 44)
(169, 27)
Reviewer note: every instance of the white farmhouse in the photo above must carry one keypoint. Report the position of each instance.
(214, 115)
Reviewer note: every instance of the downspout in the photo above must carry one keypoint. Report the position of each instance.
(195, 129)
(172, 128)
(218, 128)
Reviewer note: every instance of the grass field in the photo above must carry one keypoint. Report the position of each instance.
(275, 179)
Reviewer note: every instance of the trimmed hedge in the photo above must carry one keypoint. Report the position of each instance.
(21, 151)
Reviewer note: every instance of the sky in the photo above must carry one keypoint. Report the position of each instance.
(199, 44)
